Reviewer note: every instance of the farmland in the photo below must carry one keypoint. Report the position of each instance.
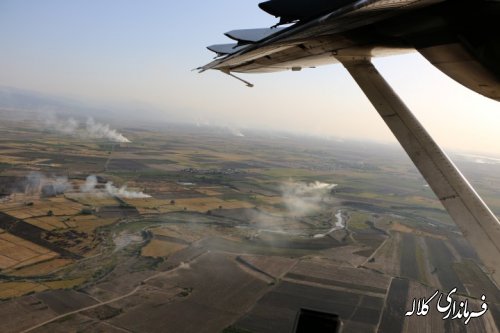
(193, 229)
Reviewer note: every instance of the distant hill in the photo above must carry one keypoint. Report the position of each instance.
(12, 98)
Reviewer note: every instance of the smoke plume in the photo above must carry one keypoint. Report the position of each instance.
(90, 184)
(100, 131)
(304, 198)
(122, 192)
(38, 184)
(65, 126)
(90, 187)
(90, 129)
(235, 131)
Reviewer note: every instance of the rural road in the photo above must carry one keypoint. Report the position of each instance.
(106, 302)
(82, 309)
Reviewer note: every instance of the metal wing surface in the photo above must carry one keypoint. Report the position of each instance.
(313, 43)
(459, 37)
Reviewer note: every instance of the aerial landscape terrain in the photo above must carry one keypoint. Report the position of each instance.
(184, 228)
(145, 188)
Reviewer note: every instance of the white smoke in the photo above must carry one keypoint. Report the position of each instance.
(235, 131)
(101, 131)
(91, 129)
(90, 187)
(222, 127)
(301, 199)
(65, 126)
(122, 192)
(39, 184)
(90, 184)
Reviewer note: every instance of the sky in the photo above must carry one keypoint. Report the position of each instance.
(142, 52)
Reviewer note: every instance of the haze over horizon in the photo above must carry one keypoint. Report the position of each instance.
(126, 53)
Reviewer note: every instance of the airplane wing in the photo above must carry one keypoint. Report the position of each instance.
(457, 36)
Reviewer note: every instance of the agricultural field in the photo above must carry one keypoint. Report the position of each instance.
(161, 248)
(17, 253)
(191, 229)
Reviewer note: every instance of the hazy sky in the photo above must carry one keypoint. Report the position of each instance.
(143, 51)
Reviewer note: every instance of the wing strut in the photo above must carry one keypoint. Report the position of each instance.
(478, 224)
(248, 84)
